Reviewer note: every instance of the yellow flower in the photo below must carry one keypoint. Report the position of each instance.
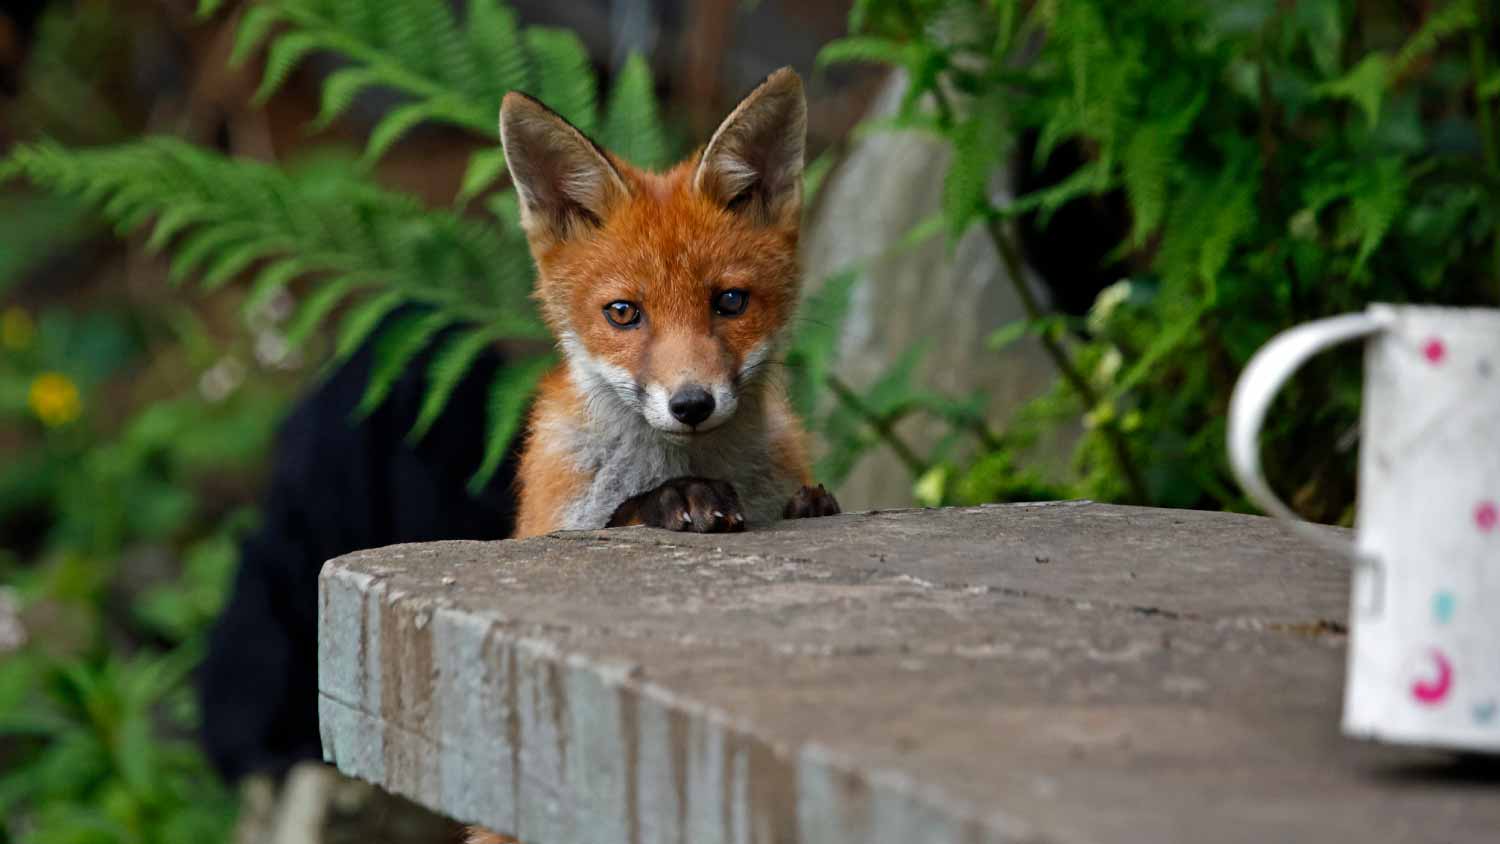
(16, 329)
(54, 399)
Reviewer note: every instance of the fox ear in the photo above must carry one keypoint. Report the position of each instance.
(753, 163)
(565, 182)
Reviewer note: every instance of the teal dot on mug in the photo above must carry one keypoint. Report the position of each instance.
(1442, 606)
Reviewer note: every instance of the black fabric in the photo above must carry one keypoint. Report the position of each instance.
(337, 486)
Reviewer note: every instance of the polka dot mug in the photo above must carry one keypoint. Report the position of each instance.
(1424, 647)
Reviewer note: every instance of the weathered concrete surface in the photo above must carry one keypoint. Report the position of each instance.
(1067, 672)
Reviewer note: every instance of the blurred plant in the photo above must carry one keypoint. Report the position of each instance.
(96, 767)
(365, 252)
(99, 631)
(1279, 162)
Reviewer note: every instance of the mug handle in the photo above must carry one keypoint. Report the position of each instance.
(1262, 379)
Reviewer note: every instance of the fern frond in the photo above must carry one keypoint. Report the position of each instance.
(561, 75)
(318, 306)
(1365, 85)
(448, 367)
(1145, 166)
(495, 39)
(449, 74)
(361, 321)
(632, 128)
(510, 391)
(1454, 18)
(870, 49)
(814, 346)
(1091, 178)
(365, 246)
(394, 350)
(328, 233)
(485, 168)
(339, 92)
(979, 144)
(1374, 206)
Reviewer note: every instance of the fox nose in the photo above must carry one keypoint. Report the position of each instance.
(691, 404)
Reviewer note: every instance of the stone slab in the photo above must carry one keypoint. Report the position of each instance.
(1051, 673)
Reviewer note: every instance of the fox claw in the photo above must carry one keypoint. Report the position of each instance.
(811, 502)
(699, 505)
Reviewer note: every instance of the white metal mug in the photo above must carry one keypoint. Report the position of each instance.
(1424, 647)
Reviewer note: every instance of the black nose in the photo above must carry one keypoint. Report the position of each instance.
(691, 404)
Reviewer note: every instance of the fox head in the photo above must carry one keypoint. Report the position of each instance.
(667, 291)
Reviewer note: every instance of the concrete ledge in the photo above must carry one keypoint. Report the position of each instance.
(1064, 672)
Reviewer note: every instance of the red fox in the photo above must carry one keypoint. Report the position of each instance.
(669, 294)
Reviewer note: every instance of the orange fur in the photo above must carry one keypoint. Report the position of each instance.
(547, 478)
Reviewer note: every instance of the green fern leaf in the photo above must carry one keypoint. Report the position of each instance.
(272, 279)
(485, 168)
(285, 54)
(894, 386)
(1490, 87)
(132, 219)
(1377, 204)
(1454, 18)
(403, 339)
(814, 175)
(252, 30)
(339, 92)
(331, 221)
(393, 126)
(495, 40)
(871, 49)
(128, 203)
(979, 144)
(231, 262)
(859, 12)
(510, 392)
(362, 320)
(1091, 178)
(318, 305)
(449, 366)
(199, 246)
(632, 128)
(562, 75)
(814, 347)
(1364, 85)
(1233, 218)
(1147, 161)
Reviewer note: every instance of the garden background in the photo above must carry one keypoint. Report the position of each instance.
(1035, 268)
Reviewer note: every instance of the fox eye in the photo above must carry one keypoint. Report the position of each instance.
(731, 302)
(623, 314)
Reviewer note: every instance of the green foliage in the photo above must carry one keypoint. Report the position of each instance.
(125, 516)
(1280, 162)
(100, 768)
(362, 252)
(97, 737)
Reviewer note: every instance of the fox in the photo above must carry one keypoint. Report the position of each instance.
(669, 295)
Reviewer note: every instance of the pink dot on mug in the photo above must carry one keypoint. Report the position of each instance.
(1486, 516)
(1434, 350)
(1432, 690)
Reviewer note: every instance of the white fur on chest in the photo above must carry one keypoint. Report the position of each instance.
(625, 457)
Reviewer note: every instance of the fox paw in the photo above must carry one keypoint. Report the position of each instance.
(692, 504)
(811, 502)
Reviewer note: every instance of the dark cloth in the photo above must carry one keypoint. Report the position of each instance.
(337, 485)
